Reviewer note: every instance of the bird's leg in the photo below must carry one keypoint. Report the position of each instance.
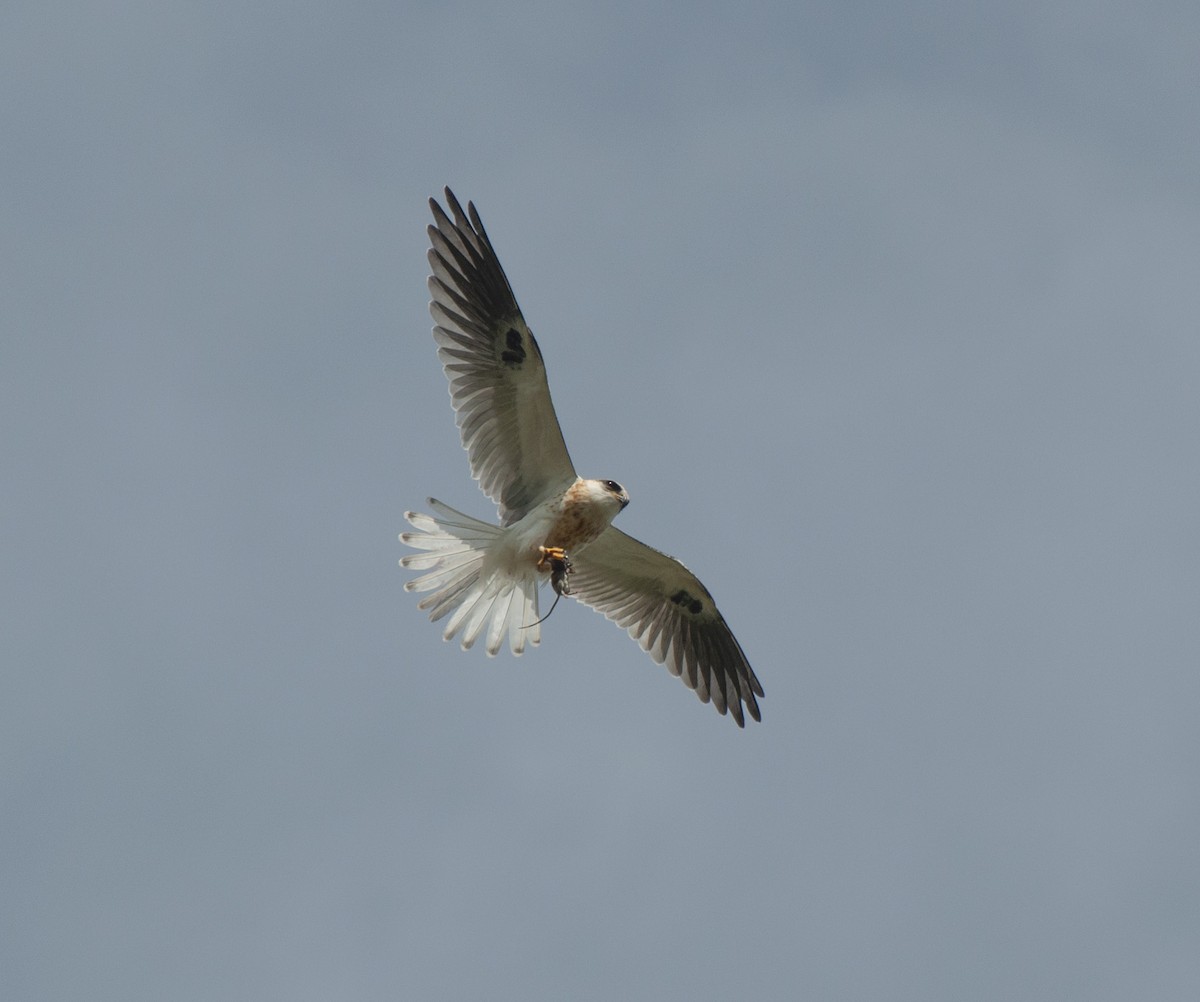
(560, 568)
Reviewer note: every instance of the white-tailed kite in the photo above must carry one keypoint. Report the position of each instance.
(554, 525)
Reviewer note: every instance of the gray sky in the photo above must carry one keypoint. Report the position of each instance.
(885, 314)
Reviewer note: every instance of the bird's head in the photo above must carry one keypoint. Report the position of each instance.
(608, 493)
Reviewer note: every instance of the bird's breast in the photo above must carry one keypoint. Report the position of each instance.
(578, 521)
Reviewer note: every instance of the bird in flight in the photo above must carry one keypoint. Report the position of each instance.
(554, 526)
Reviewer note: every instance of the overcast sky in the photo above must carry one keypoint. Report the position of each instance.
(885, 315)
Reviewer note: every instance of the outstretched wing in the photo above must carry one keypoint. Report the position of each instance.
(670, 613)
(497, 379)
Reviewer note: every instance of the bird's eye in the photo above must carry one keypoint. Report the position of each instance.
(613, 486)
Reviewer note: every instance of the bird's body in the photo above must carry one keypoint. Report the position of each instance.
(491, 579)
(577, 517)
(554, 525)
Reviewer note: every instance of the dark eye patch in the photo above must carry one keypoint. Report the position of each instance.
(613, 486)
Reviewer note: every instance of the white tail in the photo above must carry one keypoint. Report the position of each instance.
(475, 587)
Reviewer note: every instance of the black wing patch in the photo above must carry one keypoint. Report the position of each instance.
(514, 355)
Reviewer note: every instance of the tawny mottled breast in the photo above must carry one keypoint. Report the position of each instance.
(580, 521)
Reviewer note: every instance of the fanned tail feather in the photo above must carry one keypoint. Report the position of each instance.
(463, 585)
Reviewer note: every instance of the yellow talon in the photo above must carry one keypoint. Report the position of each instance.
(560, 568)
(550, 554)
